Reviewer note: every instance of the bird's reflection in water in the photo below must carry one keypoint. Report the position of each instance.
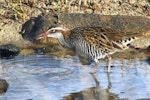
(94, 93)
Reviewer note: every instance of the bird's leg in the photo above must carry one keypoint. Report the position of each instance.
(95, 79)
(94, 68)
(109, 81)
(108, 63)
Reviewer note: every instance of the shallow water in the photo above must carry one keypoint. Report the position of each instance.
(43, 77)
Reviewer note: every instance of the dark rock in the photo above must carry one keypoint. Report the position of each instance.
(8, 51)
(119, 22)
(3, 86)
(35, 26)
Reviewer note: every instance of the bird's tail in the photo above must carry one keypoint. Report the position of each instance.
(129, 37)
(125, 43)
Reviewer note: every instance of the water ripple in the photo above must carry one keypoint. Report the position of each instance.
(35, 65)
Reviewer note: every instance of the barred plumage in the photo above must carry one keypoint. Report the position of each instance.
(92, 43)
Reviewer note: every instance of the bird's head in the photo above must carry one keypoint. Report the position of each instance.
(55, 32)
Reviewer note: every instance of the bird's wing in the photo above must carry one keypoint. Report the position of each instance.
(101, 37)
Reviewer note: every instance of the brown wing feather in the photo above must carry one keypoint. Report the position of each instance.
(101, 37)
(98, 36)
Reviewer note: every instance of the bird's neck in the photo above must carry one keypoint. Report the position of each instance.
(63, 40)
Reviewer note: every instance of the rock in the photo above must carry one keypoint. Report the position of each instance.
(8, 51)
(35, 25)
(143, 2)
(3, 86)
(9, 34)
(132, 1)
(120, 22)
(141, 43)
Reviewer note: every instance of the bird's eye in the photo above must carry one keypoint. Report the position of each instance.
(52, 30)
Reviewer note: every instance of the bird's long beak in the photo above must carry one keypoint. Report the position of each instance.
(42, 35)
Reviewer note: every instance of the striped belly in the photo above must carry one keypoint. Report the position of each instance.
(90, 52)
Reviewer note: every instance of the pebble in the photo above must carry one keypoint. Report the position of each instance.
(3, 86)
(132, 1)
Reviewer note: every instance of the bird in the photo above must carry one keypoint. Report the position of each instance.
(92, 43)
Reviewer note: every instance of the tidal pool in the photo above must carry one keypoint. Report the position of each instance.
(46, 77)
